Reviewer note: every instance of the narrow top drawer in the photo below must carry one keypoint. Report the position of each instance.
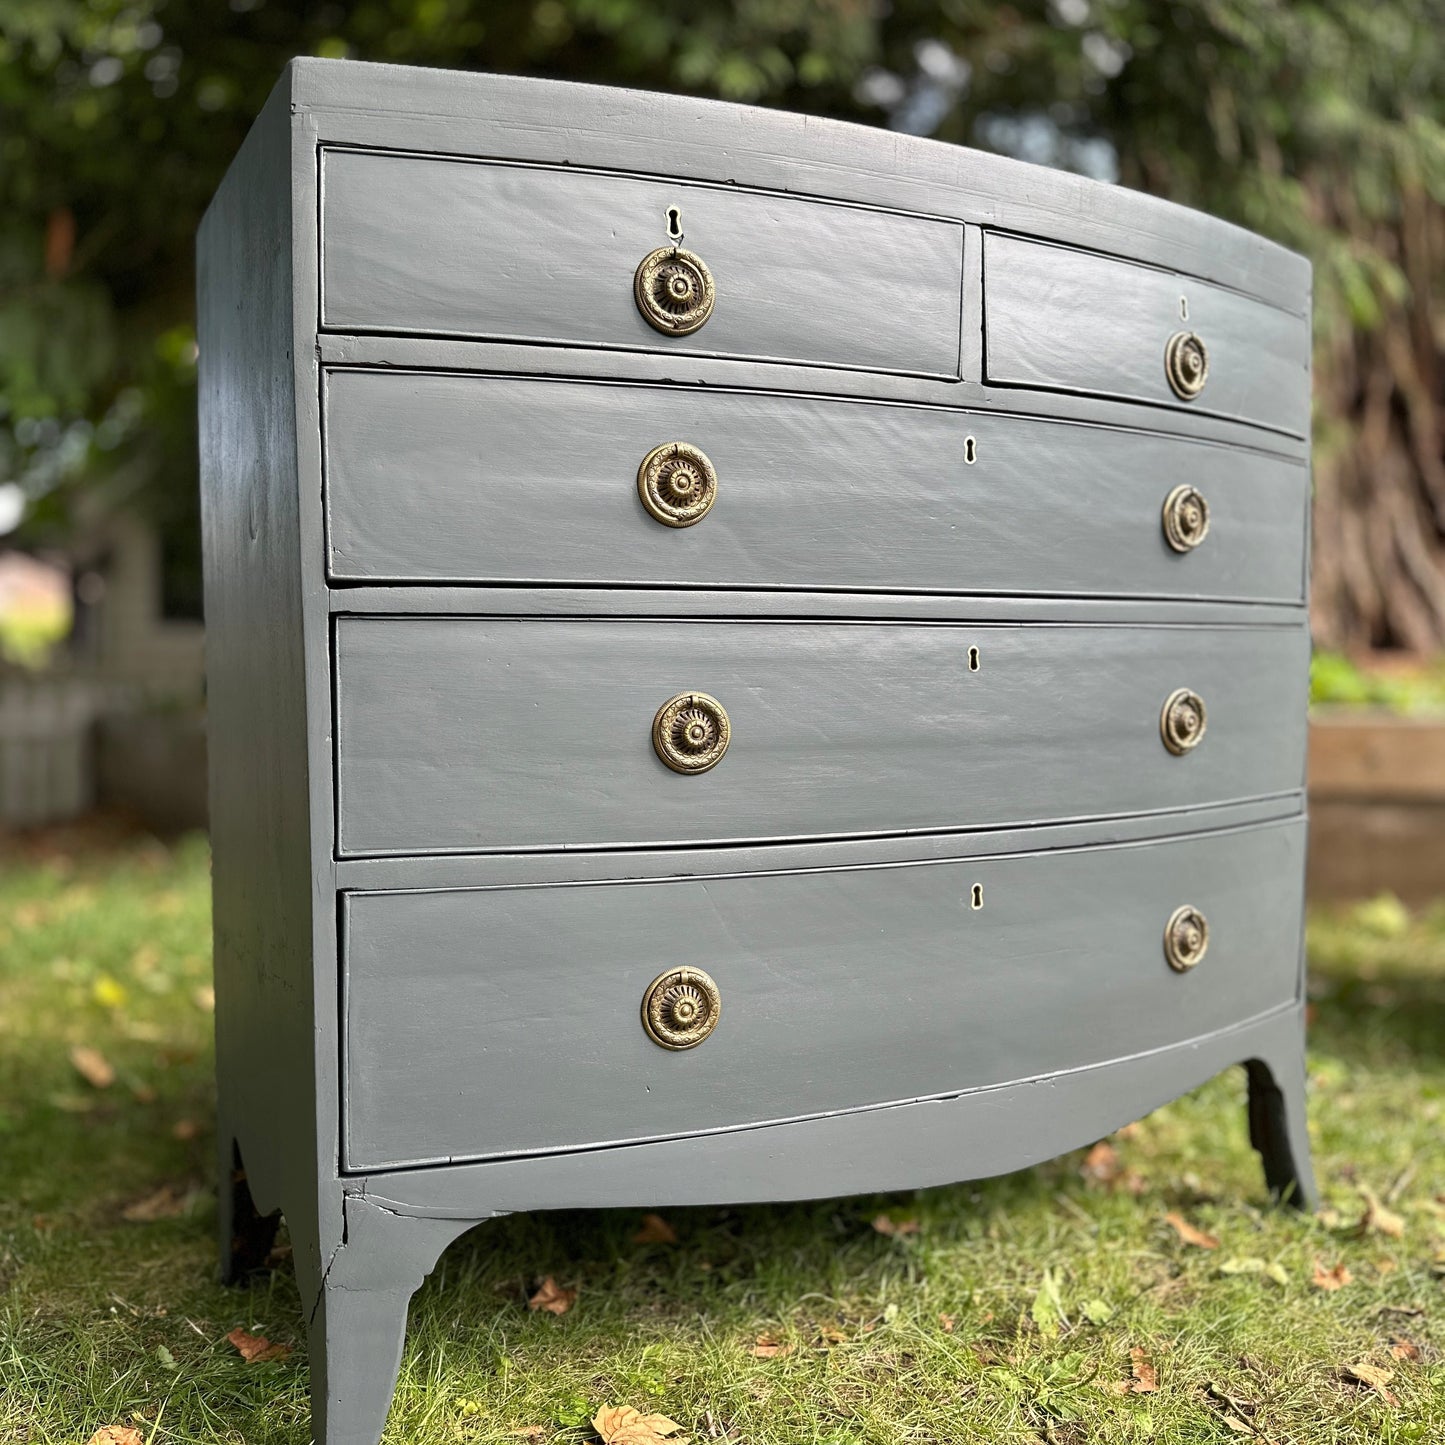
(1069, 320)
(451, 247)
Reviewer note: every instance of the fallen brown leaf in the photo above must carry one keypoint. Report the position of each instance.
(655, 1230)
(769, 1347)
(1101, 1164)
(830, 1335)
(1404, 1349)
(92, 1066)
(948, 1323)
(117, 1435)
(1146, 1378)
(552, 1297)
(167, 1202)
(1336, 1277)
(256, 1349)
(884, 1225)
(1372, 1377)
(1379, 1219)
(1188, 1233)
(622, 1425)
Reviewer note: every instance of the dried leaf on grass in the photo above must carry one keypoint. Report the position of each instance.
(655, 1230)
(948, 1323)
(895, 1227)
(1404, 1349)
(622, 1425)
(117, 1435)
(1336, 1277)
(167, 1202)
(1378, 1218)
(92, 1066)
(1101, 1164)
(1146, 1378)
(552, 1297)
(1372, 1377)
(256, 1349)
(770, 1347)
(1188, 1233)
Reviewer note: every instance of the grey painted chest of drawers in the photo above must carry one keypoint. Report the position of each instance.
(808, 623)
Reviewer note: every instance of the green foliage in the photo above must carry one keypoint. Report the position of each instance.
(1009, 1315)
(1336, 681)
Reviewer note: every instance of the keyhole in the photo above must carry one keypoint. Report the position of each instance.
(674, 224)
(976, 898)
(970, 450)
(973, 659)
(1184, 308)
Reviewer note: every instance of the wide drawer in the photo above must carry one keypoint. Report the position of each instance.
(493, 1021)
(463, 248)
(456, 734)
(504, 478)
(1074, 321)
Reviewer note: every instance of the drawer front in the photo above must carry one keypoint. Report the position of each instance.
(482, 1022)
(457, 734)
(522, 479)
(1074, 321)
(465, 248)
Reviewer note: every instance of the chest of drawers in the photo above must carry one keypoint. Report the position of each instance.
(747, 661)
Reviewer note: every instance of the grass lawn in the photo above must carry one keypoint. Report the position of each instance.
(1056, 1305)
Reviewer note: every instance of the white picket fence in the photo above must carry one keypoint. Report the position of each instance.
(47, 721)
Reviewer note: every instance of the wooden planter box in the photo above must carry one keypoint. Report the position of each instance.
(1377, 806)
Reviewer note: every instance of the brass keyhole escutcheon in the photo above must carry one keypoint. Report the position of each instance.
(681, 1008)
(1186, 364)
(1186, 938)
(1182, 721)
(1186, 518)
(691, 732)
(677, 484)
(674, 290)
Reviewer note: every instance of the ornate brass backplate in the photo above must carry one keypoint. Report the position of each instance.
(691, 732)
(674, 290)
(1186, 938)
(677, 484)
(1182, 721)
(681, 1008)
(1186, 518)
(1186, 364)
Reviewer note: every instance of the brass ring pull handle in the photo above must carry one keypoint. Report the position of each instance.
(677, 484)
(681, 1008)
(1186, 518)
(1186, 364)
(1186, 938)
(674, 290)
(691, 732)
(1183, 721)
